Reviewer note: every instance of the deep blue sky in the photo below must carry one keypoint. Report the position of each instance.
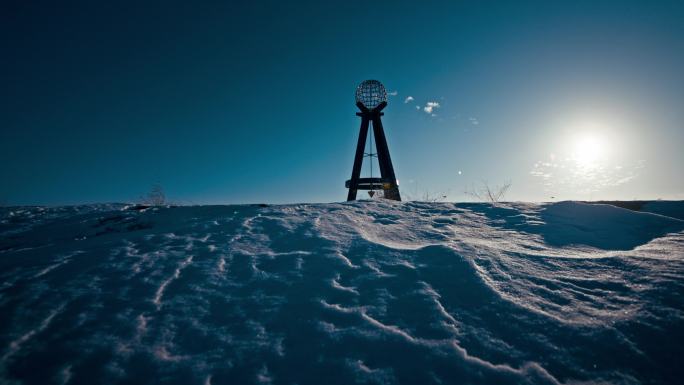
(238, 102)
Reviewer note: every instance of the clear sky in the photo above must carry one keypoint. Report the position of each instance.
(237, 102)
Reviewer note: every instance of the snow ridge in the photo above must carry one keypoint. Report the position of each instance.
(363, 292)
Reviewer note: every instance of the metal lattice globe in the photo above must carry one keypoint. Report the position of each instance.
(371, 93)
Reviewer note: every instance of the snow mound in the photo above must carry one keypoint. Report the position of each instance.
(674, 209)
(603, 226)
(362, 292)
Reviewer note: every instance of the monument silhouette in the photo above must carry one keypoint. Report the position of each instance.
(371, 99)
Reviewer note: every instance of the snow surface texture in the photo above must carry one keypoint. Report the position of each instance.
(374, 292)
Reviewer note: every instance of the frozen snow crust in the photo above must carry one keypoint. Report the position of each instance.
(363, 292)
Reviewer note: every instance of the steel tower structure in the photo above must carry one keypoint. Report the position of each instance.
(371, 99)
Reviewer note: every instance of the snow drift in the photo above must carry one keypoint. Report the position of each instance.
(363, 292)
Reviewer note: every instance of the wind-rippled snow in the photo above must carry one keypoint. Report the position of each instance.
(373, 292)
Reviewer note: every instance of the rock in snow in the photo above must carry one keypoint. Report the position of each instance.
(364, 292)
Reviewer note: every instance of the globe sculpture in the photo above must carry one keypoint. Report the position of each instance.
(371, 99)
(371, 93)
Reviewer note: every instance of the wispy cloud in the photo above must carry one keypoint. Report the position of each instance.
(565, 175)
(430, 107)
(408, 99)
(474, 121)
(393, 93)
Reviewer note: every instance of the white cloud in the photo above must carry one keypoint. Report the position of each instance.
(393, 93)
(563, 175)
(408, 99)
(474, 121)
(417, 107)
(430, 106)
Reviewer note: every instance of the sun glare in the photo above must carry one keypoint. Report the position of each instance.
(586, 157)
(588, 149)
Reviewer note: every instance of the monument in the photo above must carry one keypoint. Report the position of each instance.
(371, 99)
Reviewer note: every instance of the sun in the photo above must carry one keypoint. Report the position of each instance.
(589, 149)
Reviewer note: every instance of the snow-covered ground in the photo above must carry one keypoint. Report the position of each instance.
(364, 292)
